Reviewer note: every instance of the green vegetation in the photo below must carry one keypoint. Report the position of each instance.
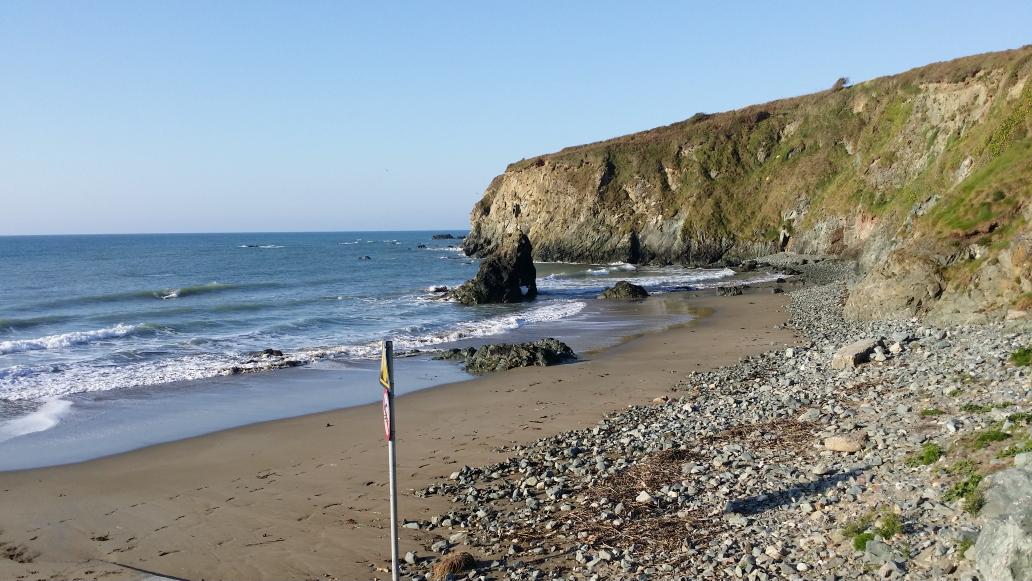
(955, 392)
(931, 413)
(1020, 418)
(963, 546)
(966, 489)
(1011, 451)
(1022, 357)
(884, 523)
(973, 408)
(929, 454)
(988, 436)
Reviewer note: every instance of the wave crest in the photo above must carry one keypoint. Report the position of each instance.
(67, 339)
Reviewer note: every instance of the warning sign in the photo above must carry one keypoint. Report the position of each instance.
(385, 374)
(387, 415)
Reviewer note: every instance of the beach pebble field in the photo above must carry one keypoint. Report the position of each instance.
(866, 451)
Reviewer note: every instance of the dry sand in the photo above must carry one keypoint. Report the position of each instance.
(306, 497)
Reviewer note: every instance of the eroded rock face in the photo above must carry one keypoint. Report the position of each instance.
(624, 290)
(907, 205)
(503, 276)
(1003, 551)
(503, 356)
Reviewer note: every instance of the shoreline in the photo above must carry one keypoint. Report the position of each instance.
(267, 478)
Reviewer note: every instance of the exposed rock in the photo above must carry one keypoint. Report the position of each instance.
(624, 290)
(729, 291)
(688, 193)
(502, 356)
(365, 257)
(443, 237)
(901, 287)
(854, 354)
(503, 275)
(1003, 551)
(842, 444)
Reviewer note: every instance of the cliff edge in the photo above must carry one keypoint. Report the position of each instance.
(923, 177)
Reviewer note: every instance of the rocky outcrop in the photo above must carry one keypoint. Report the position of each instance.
(1003, 551)
(923, 177)
(503, 356)
(624, 290)
(503, 276)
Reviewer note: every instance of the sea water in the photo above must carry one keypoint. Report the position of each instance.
(113, 342)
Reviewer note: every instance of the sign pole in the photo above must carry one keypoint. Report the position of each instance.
(387, 380)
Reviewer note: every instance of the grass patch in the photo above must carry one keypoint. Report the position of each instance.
(884, 523)
(1020, 418)
(974, 408)
(956, 391)
(988, 436)
(929, 454)
(931, 413)
(966, 490)
(1022, 357)
(1012, 451)
(964, 544)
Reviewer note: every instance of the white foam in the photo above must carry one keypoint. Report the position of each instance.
(67, 339)
(465, 330)
(22, 384)
(271, 246)
(46, 417)
(652, 279)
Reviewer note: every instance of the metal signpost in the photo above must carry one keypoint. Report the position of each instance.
(387, 381)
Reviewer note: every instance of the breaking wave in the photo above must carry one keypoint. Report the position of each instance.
(68, 339)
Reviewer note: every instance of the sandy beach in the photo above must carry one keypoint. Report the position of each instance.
(306, 497)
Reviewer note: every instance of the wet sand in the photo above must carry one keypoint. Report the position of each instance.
(306, 497)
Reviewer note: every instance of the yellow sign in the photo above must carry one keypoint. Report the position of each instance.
(385, 376)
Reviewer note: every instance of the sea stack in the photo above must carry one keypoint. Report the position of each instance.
(506, 276)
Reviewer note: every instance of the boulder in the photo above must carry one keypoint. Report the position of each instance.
(1003, 551)
(503, 356)
(842, 444)
(729, 291)
(853, 354)
(624, 290)
(503, 275)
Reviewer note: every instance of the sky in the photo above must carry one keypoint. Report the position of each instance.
(177, 116)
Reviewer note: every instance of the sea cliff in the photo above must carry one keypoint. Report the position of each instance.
(923, 177)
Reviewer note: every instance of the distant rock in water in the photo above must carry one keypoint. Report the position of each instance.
(729, 291)
(624, 290)
(442, 237)
(503, 275)
(503, 356)
(420, 245)
(365, 258)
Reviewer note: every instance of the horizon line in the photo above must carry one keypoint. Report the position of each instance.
(466, 229)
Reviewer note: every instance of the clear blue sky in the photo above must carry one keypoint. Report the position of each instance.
(224, 116)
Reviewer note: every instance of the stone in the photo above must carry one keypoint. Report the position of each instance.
(643, 497)
(410, 558)
(842, 444)
(624, 290)
(503, 356)
(853, 354)
(877, 552)
(503, 275)
(1003, 551)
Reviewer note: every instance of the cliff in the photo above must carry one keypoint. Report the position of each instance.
(923, 177)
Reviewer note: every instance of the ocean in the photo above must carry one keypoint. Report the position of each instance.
(112, 342)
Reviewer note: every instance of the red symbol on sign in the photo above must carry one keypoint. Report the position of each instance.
(386, 415)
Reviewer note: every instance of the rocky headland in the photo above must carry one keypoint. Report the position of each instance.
(923, 178)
